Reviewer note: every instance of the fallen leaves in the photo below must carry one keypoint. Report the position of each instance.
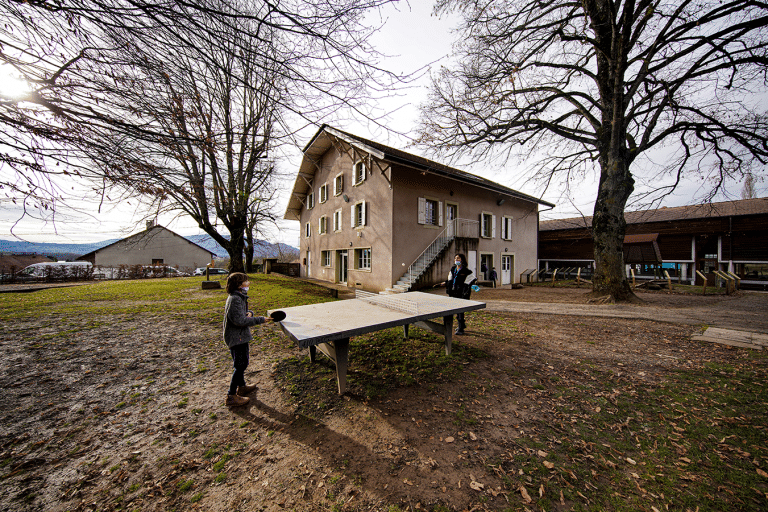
(525, 495)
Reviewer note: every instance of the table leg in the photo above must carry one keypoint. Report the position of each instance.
(342, 356)
(405, 332)
(312, 353)
(448, 323)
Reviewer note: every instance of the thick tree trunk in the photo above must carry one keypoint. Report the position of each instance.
(608, 228)
(235, 249)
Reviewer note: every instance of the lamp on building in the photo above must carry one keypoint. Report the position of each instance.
(345, 197)
(500, 201)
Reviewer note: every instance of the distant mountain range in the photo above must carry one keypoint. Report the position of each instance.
(264, 249)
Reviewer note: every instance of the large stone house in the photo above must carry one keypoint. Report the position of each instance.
(156, 245)
(378, 218)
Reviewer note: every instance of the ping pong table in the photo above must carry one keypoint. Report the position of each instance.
(328, 326)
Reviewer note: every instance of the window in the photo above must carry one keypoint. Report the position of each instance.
(310, 201)
(363, 259)
(506, 228)
(359, 214)
(307, 230)
(338, 185)
(359, 172)
(487, 225)
(323, 193)
(325, 257)
(430, 212)
(323, 225)
(337, 220)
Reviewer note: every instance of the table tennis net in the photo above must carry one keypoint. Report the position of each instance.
(402, 303)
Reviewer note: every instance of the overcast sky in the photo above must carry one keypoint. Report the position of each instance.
(414, 39)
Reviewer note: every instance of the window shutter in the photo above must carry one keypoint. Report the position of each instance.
(440, 208)
(353, 216)
(422, 210)
(364, 215)
(493, 226)
(482, 225)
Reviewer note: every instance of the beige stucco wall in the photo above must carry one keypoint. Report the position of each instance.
(156, 243)
(376, 234)
(392, 230)
(411, 237)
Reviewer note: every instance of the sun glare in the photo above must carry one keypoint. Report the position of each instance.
(12, 87)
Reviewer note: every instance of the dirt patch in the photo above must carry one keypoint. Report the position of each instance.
(127, 413)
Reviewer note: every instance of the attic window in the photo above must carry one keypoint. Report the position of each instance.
(359, 172)
(338, 185)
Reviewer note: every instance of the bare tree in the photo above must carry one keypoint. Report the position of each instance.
(604, 82)
(88, 63)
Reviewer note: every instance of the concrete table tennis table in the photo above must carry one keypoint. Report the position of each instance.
(328, 326)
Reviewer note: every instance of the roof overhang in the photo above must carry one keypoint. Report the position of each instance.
(311, 162)
(327, 136)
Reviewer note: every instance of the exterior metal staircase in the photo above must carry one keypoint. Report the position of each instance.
(464, 228)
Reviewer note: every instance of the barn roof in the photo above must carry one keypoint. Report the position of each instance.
(666, 214)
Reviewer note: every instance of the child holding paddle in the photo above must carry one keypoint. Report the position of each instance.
(237, 335)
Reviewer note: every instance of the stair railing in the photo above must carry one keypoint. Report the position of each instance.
(462, 228)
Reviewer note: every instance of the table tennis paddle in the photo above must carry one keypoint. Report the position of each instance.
(277, 316)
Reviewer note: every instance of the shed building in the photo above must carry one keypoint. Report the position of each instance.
(728, 235)
(156, 245)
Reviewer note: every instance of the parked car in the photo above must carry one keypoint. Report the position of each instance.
(55, 271)
(212, 271)
(162, 271)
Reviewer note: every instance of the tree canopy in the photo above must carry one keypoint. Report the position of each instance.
(136, 93)
(594, 85)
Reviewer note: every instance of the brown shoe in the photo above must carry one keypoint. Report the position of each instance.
(236, 401)
(246, 390)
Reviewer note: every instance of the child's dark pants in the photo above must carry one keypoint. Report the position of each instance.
(240, 362)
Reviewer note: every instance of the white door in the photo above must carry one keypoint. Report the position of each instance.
(506, 269)
(472, 262)
(309, 263)
(450, 216)
(343, 262)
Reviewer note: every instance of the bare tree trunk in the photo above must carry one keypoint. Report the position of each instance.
(235, 250)
(608, 228)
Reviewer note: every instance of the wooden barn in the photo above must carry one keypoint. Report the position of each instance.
(726, 236)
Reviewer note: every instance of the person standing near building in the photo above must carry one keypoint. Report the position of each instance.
(458, 285)
(493, 276)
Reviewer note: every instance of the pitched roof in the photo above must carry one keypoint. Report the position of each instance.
(19, 261)
(321, 142)
(665, 214)
(143, 233)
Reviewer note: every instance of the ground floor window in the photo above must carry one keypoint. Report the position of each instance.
(326, 258)
(363, 259)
